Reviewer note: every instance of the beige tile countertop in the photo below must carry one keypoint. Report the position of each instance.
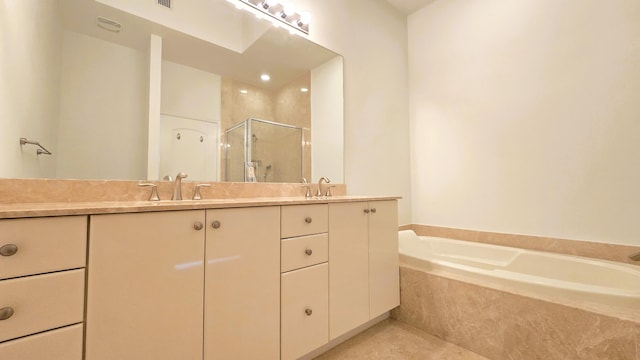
(23, 210)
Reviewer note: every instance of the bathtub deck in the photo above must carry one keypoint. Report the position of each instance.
(395, 340)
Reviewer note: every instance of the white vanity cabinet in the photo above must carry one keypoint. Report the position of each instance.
(242, 284)
(363, 258)
(304, 280)
(184, 285)
(42, 279)
(145, 286)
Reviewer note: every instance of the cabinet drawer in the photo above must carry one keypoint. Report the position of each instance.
(43, 245)
(300, 220)
(41, 303)
(305, 310)
(303, 251)
(65, 343)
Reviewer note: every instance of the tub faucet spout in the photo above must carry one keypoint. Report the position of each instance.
(177, 186)
(635, 256)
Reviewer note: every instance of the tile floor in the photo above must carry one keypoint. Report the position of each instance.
(394, 340)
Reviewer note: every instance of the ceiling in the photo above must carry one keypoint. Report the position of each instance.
(409, 6)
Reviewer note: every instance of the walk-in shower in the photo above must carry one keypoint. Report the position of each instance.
(263, 151)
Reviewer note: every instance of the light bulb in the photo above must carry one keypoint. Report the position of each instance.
(289, 9)
(305, 18)
(271, 2)
(265, 77)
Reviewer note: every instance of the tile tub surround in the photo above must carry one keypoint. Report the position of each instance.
(55, 190)
(612, 252)
(501, 325)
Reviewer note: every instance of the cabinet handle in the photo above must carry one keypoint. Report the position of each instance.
(308, 219)
(216, 224)
(198, 226)
(6, 313)
(8, 250)
(308, 252)
(373, 211)
(308, 311)
(366, 211)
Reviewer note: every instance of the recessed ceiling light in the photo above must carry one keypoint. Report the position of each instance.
(243, 91)
(304, 89)
(265, 77)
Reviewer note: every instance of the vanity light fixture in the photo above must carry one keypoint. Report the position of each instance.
(280, 14)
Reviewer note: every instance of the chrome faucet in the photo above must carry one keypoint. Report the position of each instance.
(635, 256)
(319, 191)
(177, 186)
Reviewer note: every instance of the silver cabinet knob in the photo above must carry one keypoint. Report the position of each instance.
(8, 250)
(198, 225)
(216, 224)
(366, 211)
(308, 219)
(308, 252)
(373, 211)
(6, 313)
(308, 311)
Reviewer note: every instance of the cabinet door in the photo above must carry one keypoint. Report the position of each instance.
(145, 286)
(384, 286)
(305, 318)
(348, 267)
(242, 291)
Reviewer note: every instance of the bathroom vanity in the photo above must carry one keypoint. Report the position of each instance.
(271, 278)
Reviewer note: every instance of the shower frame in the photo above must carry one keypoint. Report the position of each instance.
(248, 144)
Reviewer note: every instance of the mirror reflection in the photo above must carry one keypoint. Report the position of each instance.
(119, 91)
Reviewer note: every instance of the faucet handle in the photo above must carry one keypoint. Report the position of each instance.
(328, 193)
(154, 191)
(196, 191)
(305, 184)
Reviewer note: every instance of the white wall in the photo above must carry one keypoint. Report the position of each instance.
(29, 68)
(372, 37)
(193, 99)
(189, 92)
(103, 110)
(199, 18)
(525, 117)
(327, 130)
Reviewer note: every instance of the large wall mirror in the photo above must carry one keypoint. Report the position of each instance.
(120, 89)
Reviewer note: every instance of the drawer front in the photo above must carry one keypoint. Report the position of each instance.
(300, 220)
(60, 344)
(41, 303)
(303, 251)
(305, 310)
(43, 245)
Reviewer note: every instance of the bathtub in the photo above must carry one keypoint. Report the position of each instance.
(548, 276)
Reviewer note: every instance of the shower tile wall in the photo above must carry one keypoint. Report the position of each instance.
(501, 325)
(287, 105)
